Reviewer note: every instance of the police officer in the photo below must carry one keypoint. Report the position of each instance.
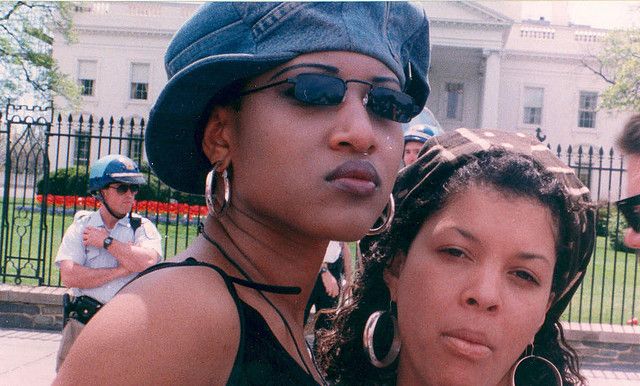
(414, 138)
(103, 250)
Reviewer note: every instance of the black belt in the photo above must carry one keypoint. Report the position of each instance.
(81, 308)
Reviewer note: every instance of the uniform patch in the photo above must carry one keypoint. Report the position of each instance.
(150, 230)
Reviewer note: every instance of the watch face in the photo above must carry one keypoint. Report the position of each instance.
(107, 242)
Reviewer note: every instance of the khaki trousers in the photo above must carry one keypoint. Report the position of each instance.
(69, 335)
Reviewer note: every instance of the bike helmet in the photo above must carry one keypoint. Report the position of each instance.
(114, 168)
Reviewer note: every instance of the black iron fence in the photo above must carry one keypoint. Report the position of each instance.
(45, 177)
(47, 160)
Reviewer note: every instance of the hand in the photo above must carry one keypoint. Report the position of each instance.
(94, 237)
(330, 284)
(631, 238)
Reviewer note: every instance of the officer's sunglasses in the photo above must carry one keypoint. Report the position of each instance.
(326, 90)
(124, 188)
(630, 208)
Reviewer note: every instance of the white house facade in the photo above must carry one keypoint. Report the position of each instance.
(489, 68)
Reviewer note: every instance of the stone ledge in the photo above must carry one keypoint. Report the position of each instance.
(32, 295)
(604, 333)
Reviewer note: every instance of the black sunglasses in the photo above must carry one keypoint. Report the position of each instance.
(124, 188)
(630, 208)
(327, 90)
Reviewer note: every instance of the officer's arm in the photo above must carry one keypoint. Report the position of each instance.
(132, 257)
(145, 251)
(74, 275)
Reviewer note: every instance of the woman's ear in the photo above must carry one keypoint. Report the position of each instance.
(217, 134)
(391, 274)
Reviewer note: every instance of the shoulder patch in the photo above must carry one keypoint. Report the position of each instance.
(81, 214)
(150, 229)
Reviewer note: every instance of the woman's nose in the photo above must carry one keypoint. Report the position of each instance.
(483, 291)
(354, 128)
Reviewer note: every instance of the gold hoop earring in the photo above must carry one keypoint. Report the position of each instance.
(535, 362)
(368, 339)
(216, 208)
(386, 219)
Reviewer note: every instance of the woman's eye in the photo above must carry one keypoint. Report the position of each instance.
(524, 275)
(455, 252)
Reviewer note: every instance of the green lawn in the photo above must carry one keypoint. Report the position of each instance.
(610, 291)
(609, 294)
(21, 240)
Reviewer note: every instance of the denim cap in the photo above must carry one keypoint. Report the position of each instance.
(228, 41)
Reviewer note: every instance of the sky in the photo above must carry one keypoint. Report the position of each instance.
(599, 14)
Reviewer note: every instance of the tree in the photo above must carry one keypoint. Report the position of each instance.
(619, 65)
(27, 66)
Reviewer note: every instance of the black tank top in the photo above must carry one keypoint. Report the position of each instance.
(261, 359)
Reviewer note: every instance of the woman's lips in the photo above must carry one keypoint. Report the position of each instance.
(356, 177)
(466, 343)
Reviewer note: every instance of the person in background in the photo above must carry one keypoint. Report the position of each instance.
(252, 87)
(335, 274)
(491, 237)
(414, 138)
(103, 250)
(629, 142)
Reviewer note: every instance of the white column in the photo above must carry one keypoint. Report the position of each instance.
(491, 89)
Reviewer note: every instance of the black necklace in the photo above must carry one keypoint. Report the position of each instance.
(280, 289)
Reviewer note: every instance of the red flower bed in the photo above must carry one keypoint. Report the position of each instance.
(153, 207)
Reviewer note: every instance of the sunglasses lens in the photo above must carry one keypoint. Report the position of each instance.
(318, 89)
(391, 104)
(122, 189)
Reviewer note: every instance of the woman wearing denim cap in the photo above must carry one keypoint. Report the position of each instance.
(289, 117)
(491, 237)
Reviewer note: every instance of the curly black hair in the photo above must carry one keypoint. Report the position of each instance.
(340, 350)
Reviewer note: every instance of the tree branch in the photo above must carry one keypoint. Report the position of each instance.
(599, 72)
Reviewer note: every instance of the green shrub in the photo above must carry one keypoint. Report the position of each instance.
(617, 225)
(74, 181)
(602, 218)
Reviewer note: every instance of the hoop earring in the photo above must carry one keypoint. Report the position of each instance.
(368, 340)
(387, 218)
(217, 209)
(531, 358)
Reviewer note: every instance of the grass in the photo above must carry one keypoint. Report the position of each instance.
(21, 242)
(609, 294)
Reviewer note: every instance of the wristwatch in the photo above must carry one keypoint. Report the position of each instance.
(107, 242)
(323, 270)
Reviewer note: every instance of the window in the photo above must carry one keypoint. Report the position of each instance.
(139, 81)
(83, 143)
(87, 70)
(584, 174)
(455, 92)
(587, 109)
(134, 149)
(533, 105)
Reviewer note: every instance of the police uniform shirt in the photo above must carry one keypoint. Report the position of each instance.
(72, 249)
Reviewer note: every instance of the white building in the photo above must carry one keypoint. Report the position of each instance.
(489, 68)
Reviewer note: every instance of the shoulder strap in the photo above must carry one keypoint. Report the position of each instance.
(245, 283)
(135, 222)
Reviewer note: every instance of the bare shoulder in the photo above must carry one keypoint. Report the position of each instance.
(173, 326)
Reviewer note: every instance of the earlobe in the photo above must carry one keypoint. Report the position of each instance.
(215, 142)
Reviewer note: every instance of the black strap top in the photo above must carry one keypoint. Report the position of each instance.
(261, 359)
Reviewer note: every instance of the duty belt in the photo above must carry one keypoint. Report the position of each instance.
(81, 308)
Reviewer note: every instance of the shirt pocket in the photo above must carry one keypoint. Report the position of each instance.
(92, 253)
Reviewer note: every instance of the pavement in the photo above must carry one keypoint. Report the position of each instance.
(27, 358)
